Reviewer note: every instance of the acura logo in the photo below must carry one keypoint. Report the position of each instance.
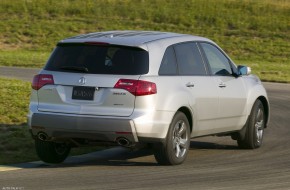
(82, 80)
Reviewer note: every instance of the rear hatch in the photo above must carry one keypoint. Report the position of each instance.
(91, 79)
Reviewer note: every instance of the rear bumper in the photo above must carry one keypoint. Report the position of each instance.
(140, 127)
(67, 127)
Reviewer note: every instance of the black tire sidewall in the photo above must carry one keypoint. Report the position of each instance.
(169, 144)
(46, 151)
(250, 139)
(258, 104)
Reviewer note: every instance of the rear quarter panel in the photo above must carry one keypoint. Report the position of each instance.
(156, 111)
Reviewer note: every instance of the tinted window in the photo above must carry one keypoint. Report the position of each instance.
(168, 64)
(189, 59)
(218, 62)
(99, 59)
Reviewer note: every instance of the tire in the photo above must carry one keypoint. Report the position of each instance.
(51, 152)
(255, 125)
(176, 146)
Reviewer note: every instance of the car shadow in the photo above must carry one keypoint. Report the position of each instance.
(211, 145)
(116, 157)
(119, 156)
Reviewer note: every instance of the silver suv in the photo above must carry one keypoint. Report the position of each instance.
(134, 88)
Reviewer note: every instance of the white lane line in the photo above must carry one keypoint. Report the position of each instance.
(20, 166)
(8, 168)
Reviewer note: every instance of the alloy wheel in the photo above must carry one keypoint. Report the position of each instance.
(180, 139)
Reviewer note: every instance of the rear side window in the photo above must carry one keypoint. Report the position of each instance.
(189, 59)
(99, 59)
(168, 64)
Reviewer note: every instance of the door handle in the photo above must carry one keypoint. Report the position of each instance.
(189, 84)
(222, 85)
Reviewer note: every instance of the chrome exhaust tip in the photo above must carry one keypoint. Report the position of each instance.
(123, 142)
(42, 136)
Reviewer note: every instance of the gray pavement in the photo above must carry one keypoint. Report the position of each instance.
(25, 74)
(213, 163)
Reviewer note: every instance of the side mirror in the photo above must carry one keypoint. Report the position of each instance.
(244, 70)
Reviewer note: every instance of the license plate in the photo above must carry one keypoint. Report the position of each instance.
(83, 93)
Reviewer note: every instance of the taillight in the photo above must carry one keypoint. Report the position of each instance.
(41, 80)
(137, 87)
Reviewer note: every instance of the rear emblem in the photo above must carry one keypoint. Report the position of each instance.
(82, 80)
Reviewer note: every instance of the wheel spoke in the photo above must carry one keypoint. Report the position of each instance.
(260, 134)
(174, 142)
(259, 131)
(260, 115)
(183, 143)
(182, 129)
(177, 150)
(60, 148)
(259, 125)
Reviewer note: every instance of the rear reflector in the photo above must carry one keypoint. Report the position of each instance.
(137, 87)
(123, 133)
(41, 80)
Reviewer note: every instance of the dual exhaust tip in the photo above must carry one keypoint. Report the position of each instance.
(42, 136)
(122, 141)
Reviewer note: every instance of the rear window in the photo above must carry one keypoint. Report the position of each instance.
(99, 59)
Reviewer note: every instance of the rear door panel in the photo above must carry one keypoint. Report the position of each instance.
(204, 100)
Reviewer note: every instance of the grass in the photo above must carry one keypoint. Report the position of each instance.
(16, 144)
(253, 32)
(269, 71)
(14, 100)
(23, 58)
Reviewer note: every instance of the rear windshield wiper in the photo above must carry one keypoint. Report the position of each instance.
(75, 68)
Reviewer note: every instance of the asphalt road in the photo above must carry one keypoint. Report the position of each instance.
(25, 74)
(212, 163)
